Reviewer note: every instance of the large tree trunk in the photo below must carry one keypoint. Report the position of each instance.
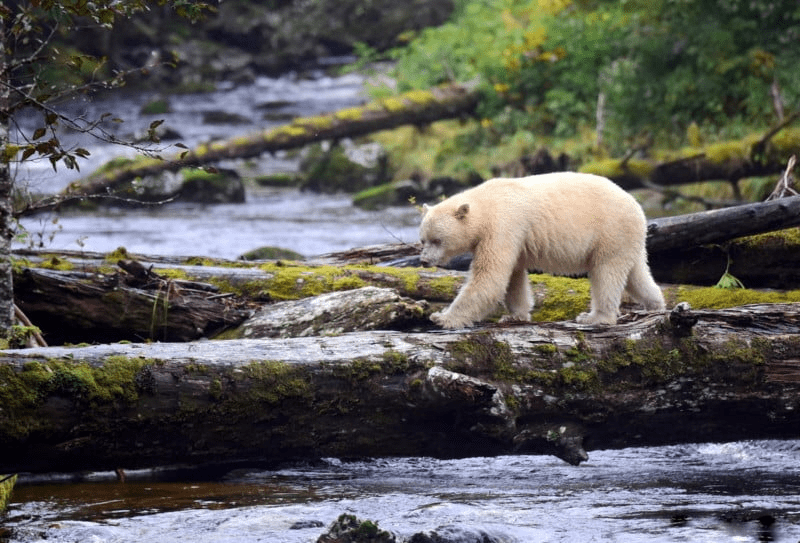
(6, 186)
(132, 303)
(556, 388)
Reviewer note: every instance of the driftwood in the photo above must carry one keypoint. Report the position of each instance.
(416, 107)
(558, 388)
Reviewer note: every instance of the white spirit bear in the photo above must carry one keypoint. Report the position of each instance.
(560, 223)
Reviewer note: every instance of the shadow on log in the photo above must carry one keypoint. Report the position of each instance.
(557, 388)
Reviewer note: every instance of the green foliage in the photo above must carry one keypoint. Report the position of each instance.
(660, 66)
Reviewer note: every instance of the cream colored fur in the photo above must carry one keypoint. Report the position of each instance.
(560, 223)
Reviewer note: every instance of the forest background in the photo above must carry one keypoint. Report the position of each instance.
(605, 78)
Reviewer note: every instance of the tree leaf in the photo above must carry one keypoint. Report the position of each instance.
(39, 133)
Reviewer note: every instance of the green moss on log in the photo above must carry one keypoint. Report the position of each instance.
(118, 381)
(7, 483)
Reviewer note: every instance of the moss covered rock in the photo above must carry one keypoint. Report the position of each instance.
(344, 168)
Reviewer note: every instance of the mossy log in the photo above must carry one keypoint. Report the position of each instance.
(755, 155)
(415, 107)
(557, 388)
(130, 302)
(719, 225)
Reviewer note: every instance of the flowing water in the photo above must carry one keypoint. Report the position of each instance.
(734, 492)
(741, 492)
(307, 223)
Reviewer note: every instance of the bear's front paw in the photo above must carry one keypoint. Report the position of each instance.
(446, 321)
(595, 318)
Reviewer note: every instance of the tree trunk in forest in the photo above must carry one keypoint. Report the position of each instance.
(550, 388)
(6, 206)
(416, 107)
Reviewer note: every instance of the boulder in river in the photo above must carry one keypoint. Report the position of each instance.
(344, 167)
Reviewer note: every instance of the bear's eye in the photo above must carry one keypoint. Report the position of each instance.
(436, 241)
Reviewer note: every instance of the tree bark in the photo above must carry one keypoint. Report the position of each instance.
(416, 107)
(718, 225)
(79, 306)
(557, 388)
(6, 205)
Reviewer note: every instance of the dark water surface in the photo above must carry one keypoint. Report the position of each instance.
(734, 492)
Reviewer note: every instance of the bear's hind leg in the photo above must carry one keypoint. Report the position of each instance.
(607, 284)
(642, 288)
(519, 299)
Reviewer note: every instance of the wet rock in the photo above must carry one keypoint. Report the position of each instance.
(403, 191)
(224, 117)
(219, 187)
(189, 185)
(305, 524)
(271, 253)
(347, 167)
(368, 308)
(454, 534)
(389, 194)
(349, 529)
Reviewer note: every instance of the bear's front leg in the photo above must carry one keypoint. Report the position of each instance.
(481, 293)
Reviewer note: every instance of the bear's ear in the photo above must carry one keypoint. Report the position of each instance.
(425, 209)
(462, 211)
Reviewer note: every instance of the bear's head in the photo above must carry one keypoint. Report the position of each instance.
(445, 232)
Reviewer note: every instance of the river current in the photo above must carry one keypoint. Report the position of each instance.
(307, 223)
(733, 492)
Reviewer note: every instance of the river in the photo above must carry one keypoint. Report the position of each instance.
(734, 492)
(304, 222)
(742, 492)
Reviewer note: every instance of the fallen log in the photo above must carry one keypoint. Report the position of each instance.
(96, 304)
(723, 161)
(415, 107)
(557, 388)
(129, 303)
(719, 225)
